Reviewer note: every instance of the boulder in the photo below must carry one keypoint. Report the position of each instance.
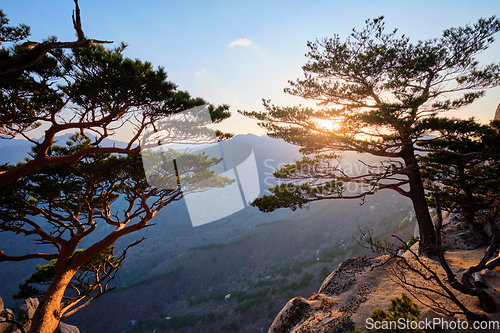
(8, 328)
(66, 328)
(331, 309)
(459, 235)
(479, 280)
(487, 272)
(449, 219)
(26, 311)
(294, 313)
(487, 225)
(7, 314)
(463, 236)
(343, 277)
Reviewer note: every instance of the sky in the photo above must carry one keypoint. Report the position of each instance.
(239, 52)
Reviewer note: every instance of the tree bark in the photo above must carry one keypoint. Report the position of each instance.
(47, 316)
(469, 204)
(417, 196)
(27, 59)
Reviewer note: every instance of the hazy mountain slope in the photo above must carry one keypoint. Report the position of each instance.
(262, 259)
(172, 234)
(261, 268)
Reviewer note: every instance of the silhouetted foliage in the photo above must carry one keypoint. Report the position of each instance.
(463, 165)
(380, 95)
(82, 87)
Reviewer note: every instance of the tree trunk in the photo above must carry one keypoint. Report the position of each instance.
(468, 205)
(47, 316)
(417, 196)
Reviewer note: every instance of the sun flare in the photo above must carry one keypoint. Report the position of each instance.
(328, 124)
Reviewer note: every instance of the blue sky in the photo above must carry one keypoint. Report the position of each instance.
(238, 52)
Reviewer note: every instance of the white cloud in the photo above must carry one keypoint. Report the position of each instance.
(200, 73)
(242, 42)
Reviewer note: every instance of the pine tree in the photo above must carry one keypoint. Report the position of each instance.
(64, 204)
(463, 166)
(80, 87)
(377, 91)
(61, 193)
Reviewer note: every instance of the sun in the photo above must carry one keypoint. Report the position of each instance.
(328, 124)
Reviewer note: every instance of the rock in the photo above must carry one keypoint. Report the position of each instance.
(26, 311)
(487, 226)
(322, 302)
(325, 312)
(319, 314)
(292, 317)
(294, 312)
(344, 275)
(452, 219)
(8, 314)
(497, 113)
(462, 236)
(8, 328)
(66, 328)
(432, 261)
(413, 249)
(448, 218)
(479, 281)
(459, 235)
(487, 272)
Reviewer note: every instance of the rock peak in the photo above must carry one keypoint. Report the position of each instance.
(497, 113)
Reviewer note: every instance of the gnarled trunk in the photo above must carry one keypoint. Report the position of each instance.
(417, 196)
(47, 316)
